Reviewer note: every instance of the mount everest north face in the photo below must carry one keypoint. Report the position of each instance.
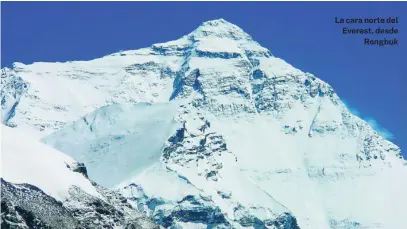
(209, 131)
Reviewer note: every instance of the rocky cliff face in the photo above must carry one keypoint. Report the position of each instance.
(26, 206)
(231, 136)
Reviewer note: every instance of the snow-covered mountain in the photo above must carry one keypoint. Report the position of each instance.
(213, 131)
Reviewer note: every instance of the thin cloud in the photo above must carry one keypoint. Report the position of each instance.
(379, 129)
(371, 121)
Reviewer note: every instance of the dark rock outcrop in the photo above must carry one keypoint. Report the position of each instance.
(26, 206)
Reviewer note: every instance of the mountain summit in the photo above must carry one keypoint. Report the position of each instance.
(213, 131)
(220, 28)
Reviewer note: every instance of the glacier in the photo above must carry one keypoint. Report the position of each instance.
(212, 131)
(118, 140)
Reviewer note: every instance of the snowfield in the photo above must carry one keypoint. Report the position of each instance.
(117, 141)
(319, 176)
(35, 163)
(207, 131)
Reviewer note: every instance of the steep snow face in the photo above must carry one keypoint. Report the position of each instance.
(40, 165)
(146, 75)
(255, 142)
(122, 146)
(320, 179)
(43, 97)
(117, 141)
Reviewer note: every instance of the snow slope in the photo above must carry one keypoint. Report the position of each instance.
(122, 145)
(319, 179)
(40, 165)
(44, 188)
(240, 138)
(79, 88)
(117, 141)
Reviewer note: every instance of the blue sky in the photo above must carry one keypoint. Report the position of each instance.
(372, 80)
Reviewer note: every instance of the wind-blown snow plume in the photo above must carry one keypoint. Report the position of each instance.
(372, 122)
